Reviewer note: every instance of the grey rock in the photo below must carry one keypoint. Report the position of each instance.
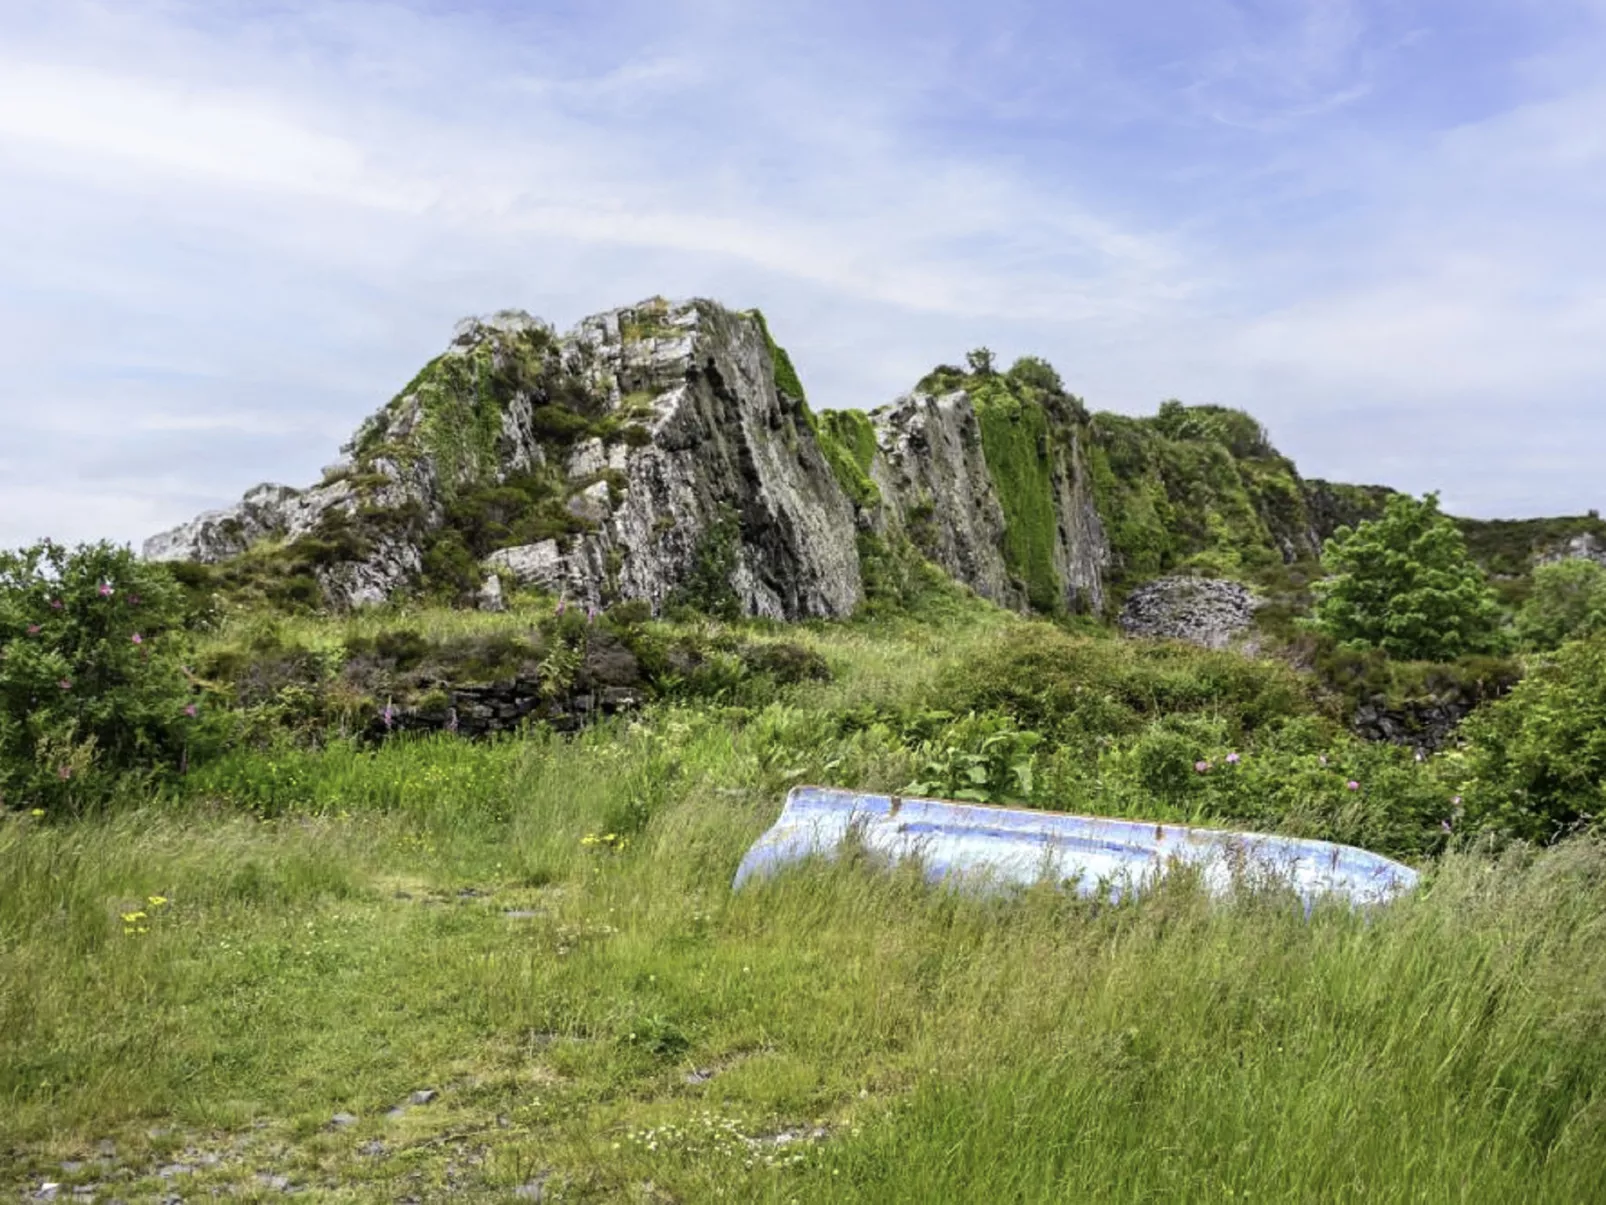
(342, 1120)
(1207, 612)
(47, 1191)
(701, 1075)
(72, 1167)
(395, 1112)
(1586, 547)
(490, 595)
(423, 1096)
(592, 504)
(168, 1170)
(274, 1181)
(533, 1190)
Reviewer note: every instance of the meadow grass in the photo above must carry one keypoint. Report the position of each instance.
(542, 931)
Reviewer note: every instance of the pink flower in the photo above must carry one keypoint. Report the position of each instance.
(138, 639)
(65, 684)
(55, 604)
(1232, 759)
(33, 629)
(105, 589)
(189, 710)
(1201, 766)
(1456, 801)
(1352, 785)
(133, 600)
(591, 614)
(64, 773)
(563, 605)
(1445, 825)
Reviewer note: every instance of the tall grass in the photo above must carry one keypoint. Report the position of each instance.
(542, 929)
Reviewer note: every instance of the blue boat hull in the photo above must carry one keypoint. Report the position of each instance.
(981, 845)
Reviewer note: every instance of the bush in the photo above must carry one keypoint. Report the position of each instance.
(90, 686)
(1568, 601)
(1538, 757)
(1405, 584)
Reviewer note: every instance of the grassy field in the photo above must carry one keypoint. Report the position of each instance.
(240, 985)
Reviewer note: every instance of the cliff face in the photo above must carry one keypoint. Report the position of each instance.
(665, 452)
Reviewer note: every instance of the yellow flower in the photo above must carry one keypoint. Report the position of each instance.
(156, 901)
(37, 812)
(130, 918)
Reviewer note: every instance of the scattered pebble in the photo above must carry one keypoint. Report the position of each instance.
(395, 1113)
(275, 1182)
(168, 1170)
(535, 1190)
(520, 913)
(47, 1191)
(373, 1148)
(700, 1076)
(72, 1167)
(342, 1120)
(423, 1096)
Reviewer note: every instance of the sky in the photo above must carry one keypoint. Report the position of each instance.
(233, 229)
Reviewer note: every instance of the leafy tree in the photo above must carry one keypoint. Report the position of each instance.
(1538, 756)
(90, 687)
(981, 361)
(1405, 584)
(1568, 601)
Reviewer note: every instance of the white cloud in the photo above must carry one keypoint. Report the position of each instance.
(245, 227)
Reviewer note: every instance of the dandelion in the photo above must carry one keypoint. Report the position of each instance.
(105, 589)
(156, 901)
(137, 638)
(1352, 785)
(132, 918)
(1201, 766)
(1232, 759)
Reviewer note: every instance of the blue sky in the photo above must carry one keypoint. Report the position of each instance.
(234, 229)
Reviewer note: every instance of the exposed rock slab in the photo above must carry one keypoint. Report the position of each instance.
(1208, 612)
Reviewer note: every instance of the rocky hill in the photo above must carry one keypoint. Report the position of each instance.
(666, 452)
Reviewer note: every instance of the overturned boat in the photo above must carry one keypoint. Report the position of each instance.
(984, 845)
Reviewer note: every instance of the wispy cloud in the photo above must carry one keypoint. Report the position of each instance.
(248, 222)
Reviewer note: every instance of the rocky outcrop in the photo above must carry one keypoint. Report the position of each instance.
(1586, 546)
(1212, 614)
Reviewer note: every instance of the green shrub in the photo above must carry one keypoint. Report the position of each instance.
(1568, 601)
(1405, 584)
(1537, 758)
(90, 686)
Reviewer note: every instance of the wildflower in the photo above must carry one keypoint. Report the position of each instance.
(1323, 759)
(1445, 825)
(591, 614)
(1201, 766)
(137, 638)
(189, 710)
(1232, 759)
(1456, 801)
(451, 721)
(1352, 785)
(37, 812)
(156, 901)
(55, 604)
(388, 717)
(64, 773)
(563, 605)
(133, 600)
(105, 589)
(65, 684)
(132, 918)
(33, 629)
